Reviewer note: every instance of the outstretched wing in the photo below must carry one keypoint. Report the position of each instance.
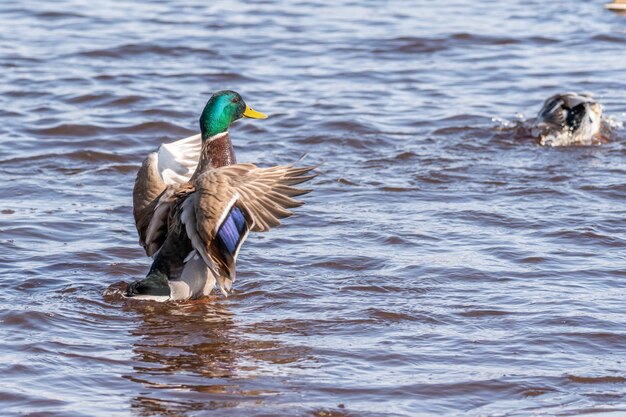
(148, 186)
(553, 111)
(172, 165)
(572, 100)
(231, 201)
(154, 226)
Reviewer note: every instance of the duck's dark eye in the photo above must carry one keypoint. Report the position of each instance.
(235, 100)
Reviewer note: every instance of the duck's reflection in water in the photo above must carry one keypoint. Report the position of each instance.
(191, 356)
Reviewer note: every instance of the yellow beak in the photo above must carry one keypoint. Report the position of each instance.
(253, 114)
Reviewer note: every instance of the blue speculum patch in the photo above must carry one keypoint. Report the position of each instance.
(232, 229)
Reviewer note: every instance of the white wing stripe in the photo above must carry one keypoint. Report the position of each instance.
(226, 211)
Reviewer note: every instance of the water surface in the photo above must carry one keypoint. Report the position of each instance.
(445, 265)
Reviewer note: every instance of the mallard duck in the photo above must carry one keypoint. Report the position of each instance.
(569, 119)
(194, 205)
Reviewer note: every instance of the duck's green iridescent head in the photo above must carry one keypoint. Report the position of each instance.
(222, 109)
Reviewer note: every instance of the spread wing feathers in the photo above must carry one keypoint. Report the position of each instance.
(231, 201)
(154, 226)
(264, 193)
(177, 161)
(553, 111)
(572, 100)
(558, 109)
(172, 165)
(148, 186)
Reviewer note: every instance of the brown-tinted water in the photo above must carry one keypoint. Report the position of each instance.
(445, 265)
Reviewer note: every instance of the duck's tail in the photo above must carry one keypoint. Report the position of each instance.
(153, 287)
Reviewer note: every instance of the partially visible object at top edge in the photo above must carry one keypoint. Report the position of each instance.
(616, 5)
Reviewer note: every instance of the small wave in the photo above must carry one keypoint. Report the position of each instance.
(611, 38)
(132, 50)
(84, 156)
(66, 129)
(412, 45)
(59, 15)
(608, 379)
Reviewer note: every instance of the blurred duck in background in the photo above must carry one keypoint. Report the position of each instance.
(569, 119)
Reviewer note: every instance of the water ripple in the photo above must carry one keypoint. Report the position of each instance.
(444, 265)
